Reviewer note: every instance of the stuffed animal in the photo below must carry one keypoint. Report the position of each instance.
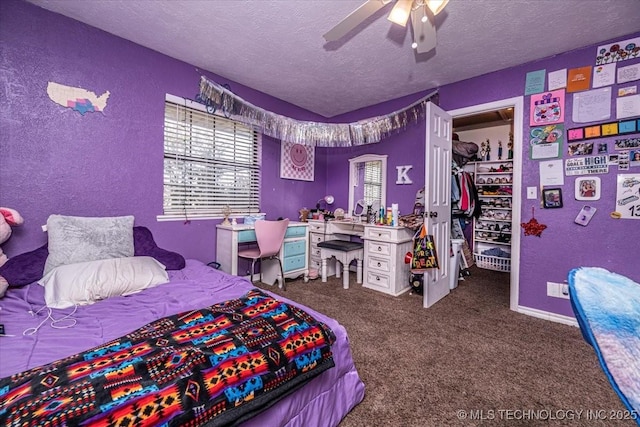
(8, 218)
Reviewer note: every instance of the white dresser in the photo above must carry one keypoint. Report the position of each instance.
(384, 251)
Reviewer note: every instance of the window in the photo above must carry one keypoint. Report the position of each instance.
(367, 182)
(209, 162)
(372, 182)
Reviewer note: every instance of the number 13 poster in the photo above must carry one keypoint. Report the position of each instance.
(628, 196)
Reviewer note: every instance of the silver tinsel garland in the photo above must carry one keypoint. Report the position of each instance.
(320, 134)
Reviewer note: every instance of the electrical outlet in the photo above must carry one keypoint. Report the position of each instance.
(532, 192)
(557, 290)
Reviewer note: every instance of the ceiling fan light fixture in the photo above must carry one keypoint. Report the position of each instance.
(400, 12)
(436, 6)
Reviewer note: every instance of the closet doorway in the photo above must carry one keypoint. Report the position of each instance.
(506, 112)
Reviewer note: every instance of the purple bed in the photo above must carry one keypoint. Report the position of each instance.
(323, 401)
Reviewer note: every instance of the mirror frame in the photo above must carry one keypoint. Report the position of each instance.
(353, 173)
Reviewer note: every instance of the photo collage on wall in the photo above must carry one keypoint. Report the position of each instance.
(600, 130)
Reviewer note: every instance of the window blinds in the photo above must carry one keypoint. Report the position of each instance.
(373, 182)
(209, 162)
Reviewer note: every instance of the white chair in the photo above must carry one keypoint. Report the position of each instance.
(344, 252)
(270, 236)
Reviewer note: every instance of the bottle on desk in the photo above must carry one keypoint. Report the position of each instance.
(395, 212)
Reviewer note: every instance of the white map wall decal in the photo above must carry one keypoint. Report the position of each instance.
(78, 99)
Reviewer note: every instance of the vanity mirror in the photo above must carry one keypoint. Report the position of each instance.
(367, 183)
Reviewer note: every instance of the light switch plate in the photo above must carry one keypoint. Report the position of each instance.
(532, 192)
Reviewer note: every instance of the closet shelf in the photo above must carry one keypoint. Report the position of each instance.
(496, 203)
(493, 242)
(484, 230)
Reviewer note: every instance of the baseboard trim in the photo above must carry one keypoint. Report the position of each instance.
(546, 315)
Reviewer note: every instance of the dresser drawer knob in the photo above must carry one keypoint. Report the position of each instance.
(379, 265)
(379, 248)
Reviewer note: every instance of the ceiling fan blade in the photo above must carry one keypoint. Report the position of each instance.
(354, 19)
(424, 33)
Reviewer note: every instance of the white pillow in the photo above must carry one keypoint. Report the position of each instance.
(87, 282)
(75, 239)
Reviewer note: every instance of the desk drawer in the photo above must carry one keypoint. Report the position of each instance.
(380, 264)
(377, 280)
(293, 263)
(315, 251)
(246, 236)
(295, 231)
(297, 247)
(315, 263)
(317, 227)
(317, 238)
(378, 248)
(388, 234)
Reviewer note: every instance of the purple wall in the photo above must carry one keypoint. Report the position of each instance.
(52, 160)
(564, 245)
(605, 242)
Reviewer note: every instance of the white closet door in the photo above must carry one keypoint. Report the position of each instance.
(438, 200)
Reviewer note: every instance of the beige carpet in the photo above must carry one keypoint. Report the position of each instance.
(467, 356)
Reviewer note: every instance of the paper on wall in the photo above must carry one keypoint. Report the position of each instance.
(558, 79)
(551, 173)
(619, 51)
(587, 165)
(592, 106)
(628, 196)
(545, 151)
(629, 73)
(630, 90)
(534, 82)
(578, 79)
(628, 106)
(604, 75)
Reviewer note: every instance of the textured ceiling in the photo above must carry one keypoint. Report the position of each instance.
(276, 46)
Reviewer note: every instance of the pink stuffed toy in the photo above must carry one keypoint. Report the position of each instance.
(8, 218)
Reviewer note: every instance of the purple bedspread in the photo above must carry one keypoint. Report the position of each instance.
(322, 402)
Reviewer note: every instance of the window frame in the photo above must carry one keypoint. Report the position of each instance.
(216, 211)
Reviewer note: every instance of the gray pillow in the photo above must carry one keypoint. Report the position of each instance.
(75, 239)
(4, 285)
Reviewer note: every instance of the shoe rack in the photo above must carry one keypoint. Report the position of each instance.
(492, 230)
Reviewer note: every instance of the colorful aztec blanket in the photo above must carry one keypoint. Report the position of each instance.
(218, 366)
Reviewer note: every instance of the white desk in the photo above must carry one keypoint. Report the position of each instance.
(293, 253)
(320, 230)
(384, 250)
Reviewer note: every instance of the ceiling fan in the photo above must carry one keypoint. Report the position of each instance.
(421, 13)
